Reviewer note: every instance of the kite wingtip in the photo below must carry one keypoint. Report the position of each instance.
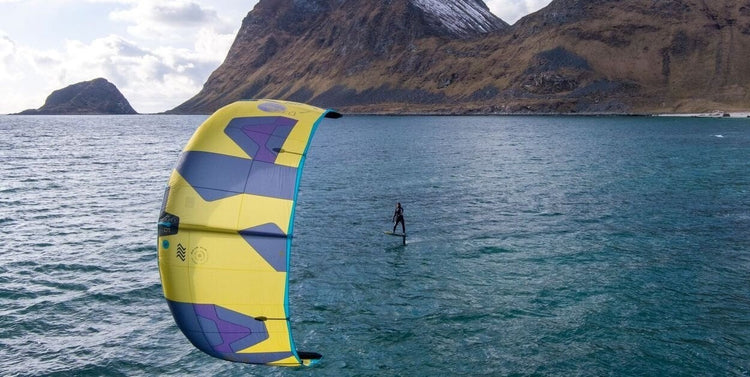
(333, 114)
(309, 358)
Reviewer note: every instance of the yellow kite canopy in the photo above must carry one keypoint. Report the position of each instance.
(225, 230)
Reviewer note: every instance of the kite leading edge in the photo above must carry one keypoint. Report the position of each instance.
(225, 230)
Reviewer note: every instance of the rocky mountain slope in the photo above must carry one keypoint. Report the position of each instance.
(401, 56)
(97, 96)
(644, 56)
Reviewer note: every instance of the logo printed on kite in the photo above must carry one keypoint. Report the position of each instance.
(272, 107)
(181, 252)
(199, 255)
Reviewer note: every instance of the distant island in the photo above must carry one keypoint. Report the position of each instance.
(95, 97)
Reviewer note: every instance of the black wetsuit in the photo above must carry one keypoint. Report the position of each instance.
(398, 217)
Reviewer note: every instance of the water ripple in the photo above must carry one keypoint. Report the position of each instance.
(537, 246)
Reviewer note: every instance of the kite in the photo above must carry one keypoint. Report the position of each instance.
(225, 230)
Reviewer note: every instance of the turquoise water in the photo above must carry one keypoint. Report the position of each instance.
(537, 246)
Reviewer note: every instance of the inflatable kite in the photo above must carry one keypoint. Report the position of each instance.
(225, 230)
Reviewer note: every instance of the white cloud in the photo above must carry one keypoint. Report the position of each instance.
(152, 80)
(511, 11)
(168, 52)
(22, 72)
(172, 21)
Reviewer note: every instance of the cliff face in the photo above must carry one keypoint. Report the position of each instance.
(650, 56)
(455, 56)
(97, 96)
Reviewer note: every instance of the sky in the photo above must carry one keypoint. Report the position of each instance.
(158, 53)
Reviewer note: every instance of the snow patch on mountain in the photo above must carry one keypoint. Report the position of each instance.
(462, 17)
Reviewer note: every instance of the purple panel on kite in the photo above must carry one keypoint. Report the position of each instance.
(271, 180)
(256, 327)
(235, 331)
(260, 137)
(212, 334)
(217, 176)
(214, 176)
(272, 107)
(266, 230)
(270, 242)
(220, 332)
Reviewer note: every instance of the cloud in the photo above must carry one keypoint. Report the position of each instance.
(185, 43)
(170, 21)
(168, 52)
(153, 79)
(511, 11)
(22, 71)
(183, 14)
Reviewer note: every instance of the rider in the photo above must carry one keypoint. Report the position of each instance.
(398, 217)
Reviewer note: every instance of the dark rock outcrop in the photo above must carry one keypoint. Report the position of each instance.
(97, 96)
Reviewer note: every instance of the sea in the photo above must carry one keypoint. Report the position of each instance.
(537, 246)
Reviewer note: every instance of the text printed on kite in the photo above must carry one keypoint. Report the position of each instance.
(225, 230)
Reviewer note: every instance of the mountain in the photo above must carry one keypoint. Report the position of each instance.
(97, 96)
(302, 50)
(416, 56)
(641, 55)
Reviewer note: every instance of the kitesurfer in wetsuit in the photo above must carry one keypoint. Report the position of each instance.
(398, 217)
